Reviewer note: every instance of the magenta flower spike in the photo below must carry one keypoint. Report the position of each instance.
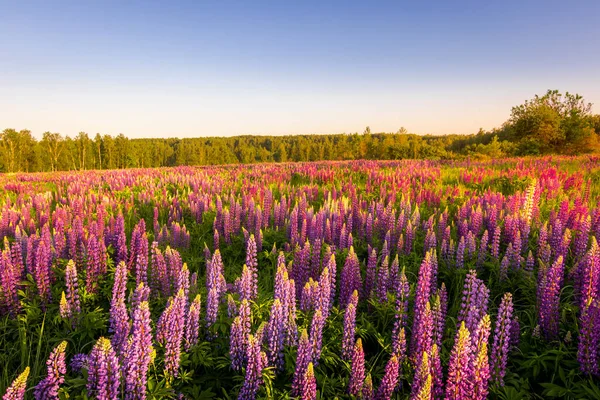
(459, 385)
(389, 381)
(48, 387)
(104, 376)
(16, 391)
(357, 373)
(303, 359)
(139, 353)
(349, 326)
(501, 344)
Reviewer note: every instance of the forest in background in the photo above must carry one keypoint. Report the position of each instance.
(553, 123)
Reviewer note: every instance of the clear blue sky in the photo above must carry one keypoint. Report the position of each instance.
(158, 69)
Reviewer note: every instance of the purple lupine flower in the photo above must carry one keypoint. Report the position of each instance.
(530, 263)
(350, 279)
(371, 272)
(182, 281)
(119, 318)
(139, 295)
(481, 367)
(10, 274)
(460, 253)
(357, 374)
(214, 275)
(104, 377)
(515, 333)
(302, 360)
(240, 330)
(160, 278)
(43, 261)
(349, 326)
(470, 245)
(141, 260)
(367, 391)
(139, 353)
(316, 334)
(438, 311)
(422, 373)
(410, 236)
(501, 345)
(212, 307)
(582, 237)
(332, 267)
(423, 293)
(589, 337)
(474, 301)
(281, 278)
(549, 289)
(64, 307)
(79, 361)
(423, 334)
(245, 285)
(192, 323)
(383, 280)
(237, 346)
(308, 296)
(252, 264)
(315, 258)
(57, 368)
(437, 374)
(394, 274)
(459, 385)
(120, 240)
(276, 335)
(290, 304)
(170, 330)
(301, 266)
(309, 390)
(16, 391)
(496, 242)
(483, 249)
(390, 379)
(401, 316)
(323, 295)
(96, 262)
(400, 346)
(587, 277)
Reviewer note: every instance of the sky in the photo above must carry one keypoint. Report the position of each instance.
(223, 68)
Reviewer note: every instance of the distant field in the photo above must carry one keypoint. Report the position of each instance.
(360, 279)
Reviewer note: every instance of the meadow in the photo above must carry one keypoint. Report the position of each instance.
(323, 280)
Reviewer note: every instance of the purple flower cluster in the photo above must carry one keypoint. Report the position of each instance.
(16, 391)
(304, 358)
(390, 379)
(357, 374)
(170, 330)
(238, 340)
(139, 352)
(257, 361)
(47, 388)
(501, 344)
(276, 335)
(349, 326)
(119, 317)
(474, 301)
(350, 279)
(192, 323)
(104, 374)
(549, 287)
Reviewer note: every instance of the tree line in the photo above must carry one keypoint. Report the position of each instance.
(549, 124)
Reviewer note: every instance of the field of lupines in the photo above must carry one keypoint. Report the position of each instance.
(349, 280)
